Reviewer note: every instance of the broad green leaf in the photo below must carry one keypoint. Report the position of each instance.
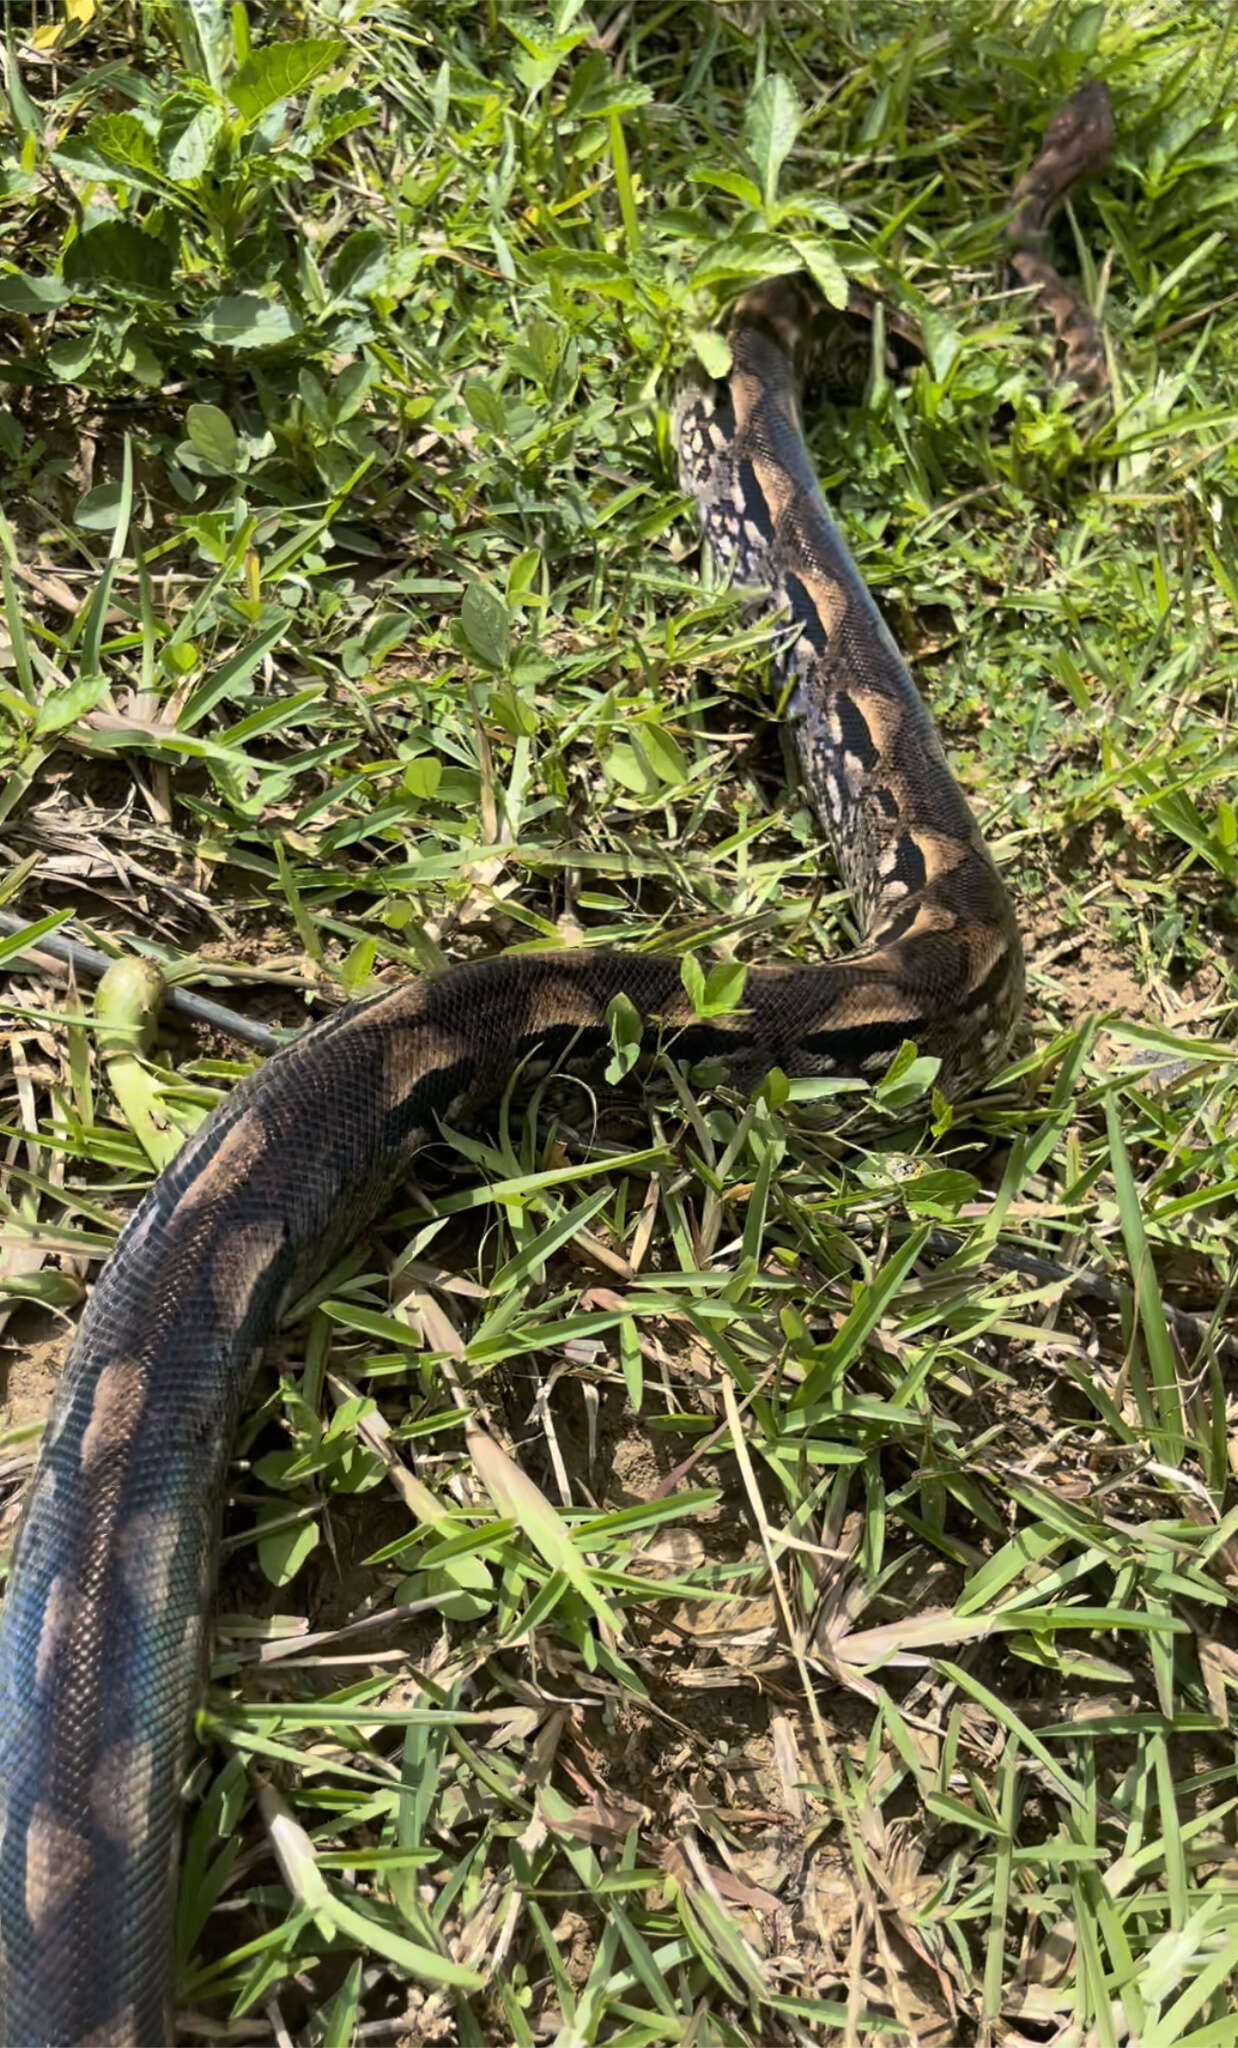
(746, 255)
(464, 1591)
(716, 992)
(732, 182)
(350, 390)
(361, 264)
(118, 253)
(341, 112)
(140, 362)
(663, 754)
(624, 1023)
(68, 359)
(823, 268)
(712, 350)
(941, 342)
(284, 1551)
(483, 615)
(279, 71)
(622, 764)
(246, 321)
(63, 708)
(25, 114)
(99, 510)
(774, 121)
(521, 575)
(189, 128)
(1083, 32)
(692, 975)
(213, 435)
(908, 1077)
(774, 1089)
(514, 712)
(31, 295)
(115, 146)
(940, 1191)
(724, 987)
(588, 270)
(206, 35)
(179, 658)
(485, 406)
(422, 775)
(314, 399)
(49, 1290)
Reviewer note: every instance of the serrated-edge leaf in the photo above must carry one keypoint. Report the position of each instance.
(279, 71)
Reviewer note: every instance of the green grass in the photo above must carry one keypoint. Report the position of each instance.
(813, 1629)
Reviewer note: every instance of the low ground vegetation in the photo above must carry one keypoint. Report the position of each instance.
(847, 1650)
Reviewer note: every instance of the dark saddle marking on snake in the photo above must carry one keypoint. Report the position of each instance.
(102, 1636)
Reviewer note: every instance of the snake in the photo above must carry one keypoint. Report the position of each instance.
(104, 1627)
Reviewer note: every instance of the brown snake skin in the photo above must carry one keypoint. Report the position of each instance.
(102, 1637)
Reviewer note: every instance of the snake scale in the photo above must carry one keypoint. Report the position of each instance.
(103, 1631)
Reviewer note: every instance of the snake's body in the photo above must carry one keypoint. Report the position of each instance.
(101, 1641)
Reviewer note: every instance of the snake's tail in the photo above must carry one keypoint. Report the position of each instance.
(1077, 143)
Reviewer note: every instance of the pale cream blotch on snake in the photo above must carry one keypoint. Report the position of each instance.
(102, 1636)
